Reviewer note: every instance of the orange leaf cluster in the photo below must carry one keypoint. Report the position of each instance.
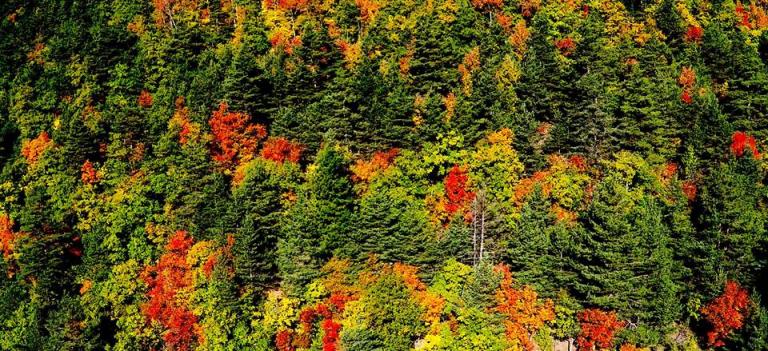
(7, 236)
(281, 150)
(368, 10)
(145, 99)
(598, 328)
(525, 313)
(526, 186)
(169, 276)
(234, 138)
(88, 174)
(567, 46)
(36, 55)
(181, 120)
(164, 10)
(687, 80)
(578, 162)
(456, 190)
(488, 5)
(741, 142)
(288, 44)
(528, 7)
(449, 101)
(519, 38)
(363, 171)
(32, 150)
(689, 189)
(726, 313)
(754, 18)
(470, 64)
(433, 304)
(287, 5)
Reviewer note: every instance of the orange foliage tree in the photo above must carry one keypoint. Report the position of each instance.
(687, 80)
(525, 313)
(281, 150)
(234, 138)
(169, 277)
(7, 236)
(363, 171)
(598, 328)
(32, 150)
(726, 313)
(145, 99)
(567, 46)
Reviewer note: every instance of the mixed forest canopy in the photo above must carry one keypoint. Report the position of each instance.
(360, 175)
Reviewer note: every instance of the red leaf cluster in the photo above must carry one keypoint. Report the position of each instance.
(88, 174)
(598, 328)
(694, 34)
(743, 15)
(32, 150)
(741, 142)
(331, 334)
(234, 138)
(578, 162)
(726, 313)
(456, 190)
(281, 150)
(331, 328)
(145, 99)
(566, 46)
(166, 279)
(283, 340)
(686, 97)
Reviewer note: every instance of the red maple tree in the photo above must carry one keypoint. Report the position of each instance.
(88, 174)
(456, 190)
(234, 138)
(283, 340)
(169, 276)
(598, 328)
(694, 34)
(741, 141)
(726, 313)
(281, 150)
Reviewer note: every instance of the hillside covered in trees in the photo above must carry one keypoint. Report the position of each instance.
(360, 175)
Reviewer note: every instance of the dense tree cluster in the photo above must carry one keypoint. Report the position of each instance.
(337, 175)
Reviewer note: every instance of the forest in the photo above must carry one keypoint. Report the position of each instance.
(384, 175)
